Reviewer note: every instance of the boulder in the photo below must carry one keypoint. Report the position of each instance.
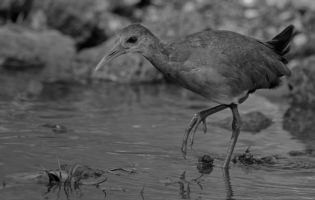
(89, 23)
(252, 122)
(299, 122)
(28, 57)
(302, 83)
(75, 18)
(15, 10)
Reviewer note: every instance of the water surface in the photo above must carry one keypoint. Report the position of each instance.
(141, 127)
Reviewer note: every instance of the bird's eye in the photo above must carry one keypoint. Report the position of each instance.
(132, 39)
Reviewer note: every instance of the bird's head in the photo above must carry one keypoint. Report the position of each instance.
(134, 38)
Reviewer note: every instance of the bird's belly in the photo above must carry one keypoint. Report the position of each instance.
(212, 87)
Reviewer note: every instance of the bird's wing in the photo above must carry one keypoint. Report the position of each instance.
(243, 62)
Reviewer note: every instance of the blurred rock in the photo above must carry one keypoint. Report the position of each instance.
(75, 18)
(48, 53)
(303, 46)
(170, 24)
(15, 10)
(299, 122)
(302, 83)
(111, 23)
(252, 122)
(18, 64)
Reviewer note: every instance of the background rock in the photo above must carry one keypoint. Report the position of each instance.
(49, 52)
(252, 122)
(299, 122)
(302, 83)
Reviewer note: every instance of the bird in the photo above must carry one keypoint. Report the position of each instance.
(223, 66)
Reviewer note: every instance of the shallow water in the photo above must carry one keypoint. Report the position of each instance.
(141, 127)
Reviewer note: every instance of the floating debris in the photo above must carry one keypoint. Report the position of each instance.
(247, 158)
(68, 179)
(56, 128)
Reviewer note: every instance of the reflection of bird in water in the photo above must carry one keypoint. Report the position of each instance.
(223, 66)
(185, 185)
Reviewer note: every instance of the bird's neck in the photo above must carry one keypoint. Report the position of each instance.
(157, 55)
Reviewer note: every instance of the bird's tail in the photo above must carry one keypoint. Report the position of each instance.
(281, 42)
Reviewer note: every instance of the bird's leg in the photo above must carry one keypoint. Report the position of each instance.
(227, 183)
(236, 126)
(201, 117)
(194, 123)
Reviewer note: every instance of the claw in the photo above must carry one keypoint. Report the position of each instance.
(184, 144)
(191, 131)
(204, 128)
(187, 134)
(194, 123)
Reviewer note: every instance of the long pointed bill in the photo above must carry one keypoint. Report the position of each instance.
(114, 53)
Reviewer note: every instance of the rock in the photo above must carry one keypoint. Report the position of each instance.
(176, 24)
(89, 23)
(75, 18)
(111, 23)
(133, 68)
(299, 122)
(18, 64)
(302, 83)
(15, 10)
(303, 46)
(205, 164)
(48, 52)
(252, 122)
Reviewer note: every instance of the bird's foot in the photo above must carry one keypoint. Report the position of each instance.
(191, 129)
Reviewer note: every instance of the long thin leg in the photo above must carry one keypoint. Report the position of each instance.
(227, 183)
(196, 120)
(236, 126)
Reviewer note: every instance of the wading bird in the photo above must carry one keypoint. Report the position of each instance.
(223, 66)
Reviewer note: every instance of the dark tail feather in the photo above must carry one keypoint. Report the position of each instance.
(281, 42)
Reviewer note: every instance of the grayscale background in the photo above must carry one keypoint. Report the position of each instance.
(116, 133)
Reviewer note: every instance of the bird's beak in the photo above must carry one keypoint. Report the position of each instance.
(118, 50)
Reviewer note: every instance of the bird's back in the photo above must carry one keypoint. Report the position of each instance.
(226, 65)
